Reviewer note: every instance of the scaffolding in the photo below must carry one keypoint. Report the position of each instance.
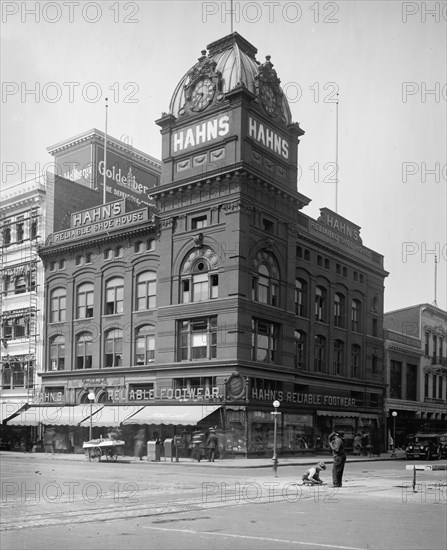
(19, 262)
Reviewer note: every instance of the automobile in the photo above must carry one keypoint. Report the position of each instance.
(425, 446)
(443, 442)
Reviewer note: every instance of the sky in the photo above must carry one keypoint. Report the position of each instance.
(386, 60)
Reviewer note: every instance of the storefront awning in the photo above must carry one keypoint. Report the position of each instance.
(339, 414)
(54, 416)
(9, 409)
(186, 415)
(111, 416)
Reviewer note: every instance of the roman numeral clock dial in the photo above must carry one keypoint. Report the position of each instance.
(202, 94)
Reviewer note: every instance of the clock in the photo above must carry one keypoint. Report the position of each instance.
(268, 99)
(202, 94)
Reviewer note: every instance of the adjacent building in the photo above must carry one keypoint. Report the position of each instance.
(416, 360)
(22, 229)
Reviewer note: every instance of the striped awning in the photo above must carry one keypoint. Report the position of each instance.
(339, 414)
(111, 416)
(186, 415)
(54, 416)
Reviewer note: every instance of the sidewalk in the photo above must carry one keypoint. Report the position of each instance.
(237, 462)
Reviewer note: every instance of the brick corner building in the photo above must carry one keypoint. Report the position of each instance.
(227, 296)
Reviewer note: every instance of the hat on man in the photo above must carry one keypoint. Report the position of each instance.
(321, 465)
(333, 434)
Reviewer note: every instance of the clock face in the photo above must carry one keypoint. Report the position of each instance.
(202, 94)
(268, 99)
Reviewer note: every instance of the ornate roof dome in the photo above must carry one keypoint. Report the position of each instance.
(234, 58)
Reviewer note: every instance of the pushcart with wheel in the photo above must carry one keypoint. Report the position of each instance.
(102, 448)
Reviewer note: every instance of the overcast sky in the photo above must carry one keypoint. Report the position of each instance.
(386, 60)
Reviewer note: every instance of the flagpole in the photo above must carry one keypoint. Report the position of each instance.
(104, 192)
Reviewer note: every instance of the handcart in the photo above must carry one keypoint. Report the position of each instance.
(99, 448)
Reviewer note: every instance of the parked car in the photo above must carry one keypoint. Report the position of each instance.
(443, 441)
(425, 446)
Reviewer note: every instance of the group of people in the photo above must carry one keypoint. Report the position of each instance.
(205, 446)
(312, 476)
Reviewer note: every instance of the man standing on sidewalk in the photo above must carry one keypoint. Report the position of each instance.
(338, 452)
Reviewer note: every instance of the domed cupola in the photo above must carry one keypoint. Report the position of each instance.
(230, 65)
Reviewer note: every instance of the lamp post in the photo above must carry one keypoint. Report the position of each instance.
(394, 414)
(91, 397)
(275, 456)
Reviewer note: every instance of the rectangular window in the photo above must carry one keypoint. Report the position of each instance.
(396, 380)
(427, 343)
(268, 225)
(264, 340)
(19, 232)
(426, 384)
(198, 339)
(199, 222)
(412, 382)
(435, 345)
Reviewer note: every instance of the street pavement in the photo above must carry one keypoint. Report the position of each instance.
(236, 462)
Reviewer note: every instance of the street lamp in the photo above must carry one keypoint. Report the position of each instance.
(394, 414)
(275, 456)
(91, 397)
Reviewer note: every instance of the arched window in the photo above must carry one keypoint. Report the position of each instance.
(146, 290)
(58, 301)
(300, 348)
(265, 281)
(320, 353)
(114, 296)
(200, 284)
(355, 315)
(84, 301)
(113, 348)
(300, 297)
(355, 361)
(338, 357)
(320, 304)
(84, 351)
(339, 306)
(145, 345)
(57, 353)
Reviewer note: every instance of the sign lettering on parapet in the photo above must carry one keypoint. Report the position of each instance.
(340, 230)
(101, 218)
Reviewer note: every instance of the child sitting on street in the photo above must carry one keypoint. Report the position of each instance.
(312, 476)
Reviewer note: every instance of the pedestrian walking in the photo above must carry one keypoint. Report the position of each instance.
(312, 476)
(139, 443)
(338, 452)
(357, 444)
(212, 444)
(48, 441)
